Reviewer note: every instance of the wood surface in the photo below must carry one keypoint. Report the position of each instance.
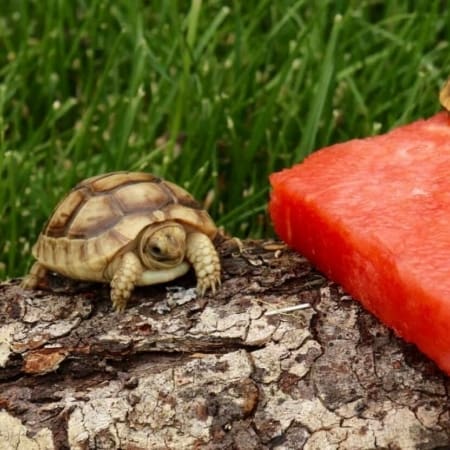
(176, 371)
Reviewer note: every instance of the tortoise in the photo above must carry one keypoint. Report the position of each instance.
(128, 229)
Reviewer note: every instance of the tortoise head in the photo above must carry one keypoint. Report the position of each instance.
(162, 245)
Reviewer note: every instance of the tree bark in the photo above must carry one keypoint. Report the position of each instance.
(176, 371)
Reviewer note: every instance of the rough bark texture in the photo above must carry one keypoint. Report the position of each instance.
(180, 372)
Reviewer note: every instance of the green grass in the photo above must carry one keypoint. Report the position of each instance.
(213, 95)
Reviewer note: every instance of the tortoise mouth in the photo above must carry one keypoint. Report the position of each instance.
(169, 260)
(163, 246)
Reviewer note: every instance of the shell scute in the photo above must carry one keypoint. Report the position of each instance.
(194, 218)
(134, 198)
(130, 226)
(182, 196)
(110, 181)
(67, 210)
(94, 217)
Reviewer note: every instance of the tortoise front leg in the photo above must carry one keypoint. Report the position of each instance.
(37, 273)
(202, 254)
(124, 280)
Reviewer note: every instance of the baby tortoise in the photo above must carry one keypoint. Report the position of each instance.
(127, 228)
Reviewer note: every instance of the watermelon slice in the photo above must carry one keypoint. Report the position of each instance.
(374, 216)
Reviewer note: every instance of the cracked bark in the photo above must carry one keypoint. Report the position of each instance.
(180, 372)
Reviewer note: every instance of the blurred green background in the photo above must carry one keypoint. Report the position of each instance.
(214, 95)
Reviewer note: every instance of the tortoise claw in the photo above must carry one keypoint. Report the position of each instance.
(211, 282)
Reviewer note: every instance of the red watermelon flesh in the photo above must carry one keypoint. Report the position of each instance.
(374, 215)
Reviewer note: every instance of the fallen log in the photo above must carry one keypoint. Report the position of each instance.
(241, 369)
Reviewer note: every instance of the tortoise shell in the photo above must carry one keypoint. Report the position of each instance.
(102, 216)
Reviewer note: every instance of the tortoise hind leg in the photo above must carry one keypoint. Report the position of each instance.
(124, 280)
(35, 276)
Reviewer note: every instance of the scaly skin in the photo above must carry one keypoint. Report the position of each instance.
(203, 256)
(36, 275)
(124, 280)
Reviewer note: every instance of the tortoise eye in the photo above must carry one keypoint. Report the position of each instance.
(155, 250)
